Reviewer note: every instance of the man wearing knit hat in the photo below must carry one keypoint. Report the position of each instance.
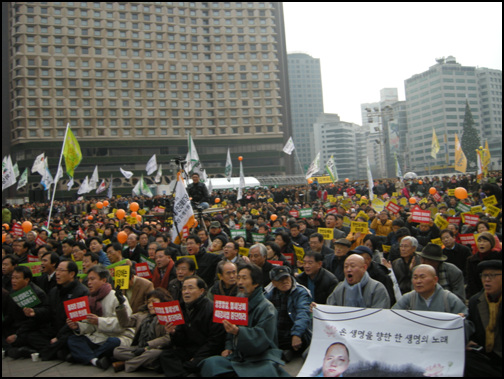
(450, 277)
(484, 350)
(485, 244)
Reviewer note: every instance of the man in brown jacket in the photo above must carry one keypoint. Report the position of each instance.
(138, 290)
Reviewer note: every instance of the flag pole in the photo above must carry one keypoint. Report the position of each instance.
(300, 165)
(56, 183)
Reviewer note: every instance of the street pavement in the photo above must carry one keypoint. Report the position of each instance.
(27, 368)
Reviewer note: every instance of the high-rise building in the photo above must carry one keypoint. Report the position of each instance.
(305, 86)
(490, 95)
(435, 99)
(133, 79)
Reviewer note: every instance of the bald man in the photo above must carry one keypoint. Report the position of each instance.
(428, 295)
(358, 289)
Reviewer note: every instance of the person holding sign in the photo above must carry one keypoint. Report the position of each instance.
(198, 338)
(30, 315)
(95, 338)
(250, 350)
(150, 336)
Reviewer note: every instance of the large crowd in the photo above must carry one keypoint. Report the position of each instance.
(286, 249)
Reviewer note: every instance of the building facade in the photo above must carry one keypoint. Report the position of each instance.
(134, 79)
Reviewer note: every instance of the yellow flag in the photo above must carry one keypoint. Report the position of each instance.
(485, 158)
(72, 153)
(435, 144)
(460, 158)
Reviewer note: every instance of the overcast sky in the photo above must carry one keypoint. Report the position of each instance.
(364, 47)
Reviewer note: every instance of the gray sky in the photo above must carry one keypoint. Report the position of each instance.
(364, 47)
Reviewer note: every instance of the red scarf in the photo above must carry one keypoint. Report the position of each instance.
(156, 276)
(95, 298)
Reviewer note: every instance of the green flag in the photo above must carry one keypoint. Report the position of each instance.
(72, 153)
(23, 180)
(331, 169)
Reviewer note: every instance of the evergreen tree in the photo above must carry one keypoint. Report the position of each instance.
(470, 138)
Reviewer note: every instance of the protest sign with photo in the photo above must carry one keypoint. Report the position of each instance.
(233, 309)
(385, 342)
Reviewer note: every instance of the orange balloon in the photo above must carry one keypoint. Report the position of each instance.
(99, 205)
(122, 236)
(420, 182)
(347, 180)
(6, 226)
(106, 203)
(310, 181)
(217, 200)
(120, 214)
(432, 191)
(240, 158)
(139, 218)
(3, 237)
(273, 217)
(27, 226)
(90, 217)
(134, 206)
(134, 214)
(460, 193)
(363, 198)
(412, 200)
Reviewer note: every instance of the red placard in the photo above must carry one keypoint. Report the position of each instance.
(231, 308)
(454, 220)
(77, 309)
(294, 213)
(393, 207)
(142, 270)
(471, 219)
(32, 258)
(467, 239)
(437, 197)
(17, 230)
(169, 312)
(276, 263)
(422, 217)
(39, 241)
(185, 232)
(332, 211)
(289, 257)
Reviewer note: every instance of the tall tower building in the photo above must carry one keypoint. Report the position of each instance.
(436, 100)
(307, 103)
(133, 79)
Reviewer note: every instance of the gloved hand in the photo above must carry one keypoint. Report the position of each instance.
(119, 295)
(139, 351)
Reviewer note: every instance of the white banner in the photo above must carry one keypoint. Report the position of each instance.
(151, 165)
(38, 165)
(370, 181)
(314, 167)
(229, 166)
(183, 214)
(383, 342)
(93, 182)
(127, 174)
(8, 176)
(289, 147)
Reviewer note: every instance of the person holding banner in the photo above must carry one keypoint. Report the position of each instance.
(250, 350)
(95, 338)
(150, 336)
(198, 338)
(484, 350)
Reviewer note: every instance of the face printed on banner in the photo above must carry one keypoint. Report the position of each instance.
(336, 361)
(354, 268)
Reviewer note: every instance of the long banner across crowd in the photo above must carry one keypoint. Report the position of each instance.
(383, 342)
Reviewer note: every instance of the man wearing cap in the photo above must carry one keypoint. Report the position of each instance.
(376, 271)
(292, 302)
(334, 262)
(317, 279)
(428, 295)
(484, 350)
(358, 289)
(450, 277)
(216, 231)
(403, 266)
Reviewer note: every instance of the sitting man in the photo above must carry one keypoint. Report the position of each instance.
(316, 243)
(206, 262)
(292, 302)
(428, 295)
(317, 279)
(184, 267)
(484, 350)
(226, 285)
(164, 271)
(334, 262)
(258, 254)
(95, 338)
(198, 338)
(137, 291)
(250, 350)
(358, 289)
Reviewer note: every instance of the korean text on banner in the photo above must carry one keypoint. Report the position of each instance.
(77, 309)
(381, 342)
(169, 312)
(233, 309)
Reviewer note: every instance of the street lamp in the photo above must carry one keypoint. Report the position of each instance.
(384, 116)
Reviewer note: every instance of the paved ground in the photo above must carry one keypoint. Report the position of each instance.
(27, 368)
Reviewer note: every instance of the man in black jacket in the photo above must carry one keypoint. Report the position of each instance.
(317, 279)
(198, 192)
(456, 253)
(47, 281)
(198, 338)
(206, 262)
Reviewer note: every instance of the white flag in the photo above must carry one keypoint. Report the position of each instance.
(38, 165)
(127, 174)
(59, 174)
(229, 166)
(151, 165)
(23, 180)
(47, 178)
(183, 215)
(144, 189)
(241, 187)
(314, 167)
(101, 187)
(84, 187)
(370, 181)
(8, 176)
(289, 146)
(136, 189)
(109, 191)
(193, 161)
(93, 182)
(159, 174)
(16, 169)
(70, 184)
(331, 169)
(210, 187)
